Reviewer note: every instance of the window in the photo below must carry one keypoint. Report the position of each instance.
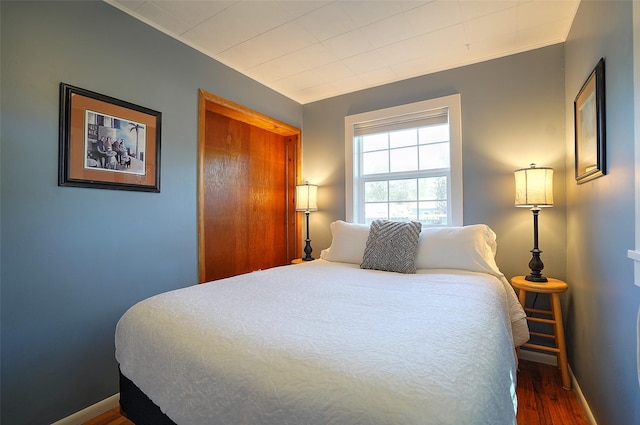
(405, 163)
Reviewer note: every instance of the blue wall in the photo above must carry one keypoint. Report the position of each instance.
(601, 326)
(73, 259)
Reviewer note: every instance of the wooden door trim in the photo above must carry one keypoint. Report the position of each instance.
(208, 102)
(241, 113)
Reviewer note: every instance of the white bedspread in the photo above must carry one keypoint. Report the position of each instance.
(328, 343)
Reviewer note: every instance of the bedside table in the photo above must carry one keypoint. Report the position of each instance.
(297, 261)
(554, 287)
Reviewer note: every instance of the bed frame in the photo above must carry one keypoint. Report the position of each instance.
(137, 407)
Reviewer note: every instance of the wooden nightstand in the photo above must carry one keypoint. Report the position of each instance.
(297, 261)
(554, 287)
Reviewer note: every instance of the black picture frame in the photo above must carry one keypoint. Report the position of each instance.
(107, 143)
(590, 130)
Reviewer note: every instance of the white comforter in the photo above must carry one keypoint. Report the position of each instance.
(328, 343)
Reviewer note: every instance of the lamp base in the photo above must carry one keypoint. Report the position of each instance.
(307, 251)
(532, 278)
(535, 264)
(307, 248)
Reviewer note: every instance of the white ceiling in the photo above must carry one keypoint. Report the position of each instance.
(310, 50)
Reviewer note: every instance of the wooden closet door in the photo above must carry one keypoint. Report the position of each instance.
(247, 212)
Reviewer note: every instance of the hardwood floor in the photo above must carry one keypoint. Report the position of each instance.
(541, 400)
(112, 417)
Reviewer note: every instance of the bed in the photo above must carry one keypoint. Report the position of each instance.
(331, 342)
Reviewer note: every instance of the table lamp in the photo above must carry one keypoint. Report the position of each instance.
(306, 200)
(534, 189)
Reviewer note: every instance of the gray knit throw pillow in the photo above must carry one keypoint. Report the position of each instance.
(392, 246)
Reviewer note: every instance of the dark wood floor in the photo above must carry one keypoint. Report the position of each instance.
(541, 400)
(112, 417)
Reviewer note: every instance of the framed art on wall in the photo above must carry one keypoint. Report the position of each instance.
(107, 143)
(589, 121)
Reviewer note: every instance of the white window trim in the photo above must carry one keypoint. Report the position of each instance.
(455, 127)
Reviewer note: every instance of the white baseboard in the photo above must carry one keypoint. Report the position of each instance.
(550, 359)
(536, 356)
(583, 401)
(91, 412)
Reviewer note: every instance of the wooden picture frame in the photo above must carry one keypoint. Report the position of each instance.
(589, 121)
(107, 143)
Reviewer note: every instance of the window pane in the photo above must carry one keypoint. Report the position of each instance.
(376, 211)
(375, 191)
(433, 213)
(375, 162)
(434, 133)
(398, 139)
(434, 156)
(403, 211)
(402, 163)
(432, 188)
(403, 190)
(375, 142)
(405, 159)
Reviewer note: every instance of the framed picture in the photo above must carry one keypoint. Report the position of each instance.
(589, 118)
(106, 143)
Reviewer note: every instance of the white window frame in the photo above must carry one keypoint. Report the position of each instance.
(452, 103)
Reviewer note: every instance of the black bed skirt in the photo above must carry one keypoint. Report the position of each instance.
(137, 407)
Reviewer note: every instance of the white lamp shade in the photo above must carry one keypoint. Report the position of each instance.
(307, 197)
(534, 187)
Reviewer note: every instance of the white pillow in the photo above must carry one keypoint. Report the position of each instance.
(469, 248)
(348, 243)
